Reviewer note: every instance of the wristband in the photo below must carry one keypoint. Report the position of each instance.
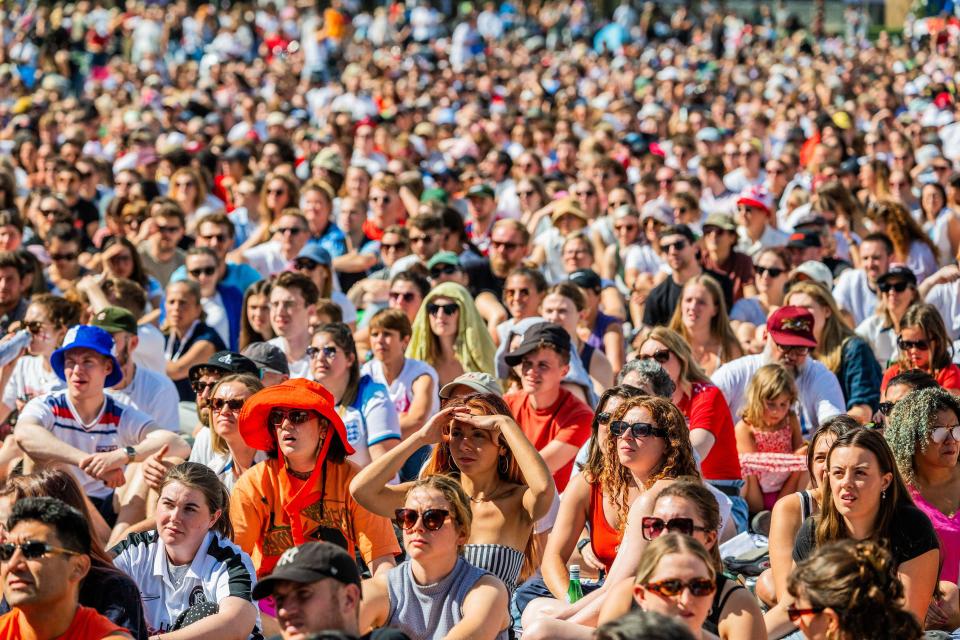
(581, 544)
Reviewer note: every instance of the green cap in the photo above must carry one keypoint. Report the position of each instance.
(444, 257)
(114, 320)
(435, 194)
(482, 191)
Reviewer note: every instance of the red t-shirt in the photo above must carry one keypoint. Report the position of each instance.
(706, 408)
(568, 420)
(948, 377)
(87, 624)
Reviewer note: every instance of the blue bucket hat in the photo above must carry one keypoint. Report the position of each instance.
(85, 336)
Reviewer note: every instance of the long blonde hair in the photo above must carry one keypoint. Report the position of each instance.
(720, 329)
(769, 382)
(835, 332)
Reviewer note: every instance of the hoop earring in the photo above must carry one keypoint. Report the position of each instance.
(503, 465)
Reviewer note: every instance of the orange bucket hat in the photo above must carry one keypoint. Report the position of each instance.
(298, 393)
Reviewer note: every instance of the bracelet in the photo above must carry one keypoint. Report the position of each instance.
(582, 543)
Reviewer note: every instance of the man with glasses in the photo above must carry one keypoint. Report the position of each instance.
(292, 301)
(63, 246)
(45, 558)
(445, 267)
(216, 230)
(160, 253)
(290, 235)
(314, 262)
(790, 341)
(856, 289)
(407, 291)
(83, 211)
(679, 246)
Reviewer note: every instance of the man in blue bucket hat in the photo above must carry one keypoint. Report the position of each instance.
(83, 427)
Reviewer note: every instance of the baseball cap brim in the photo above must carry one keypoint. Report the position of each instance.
(790, 339)
(447, 389)
(302, 575)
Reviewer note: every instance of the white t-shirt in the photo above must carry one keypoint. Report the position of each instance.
(220, 570)
(118, 425)
(883, 340)
(29, 380)
(921, 261)
(401, 389)
(155, 395)
(852, 292)
(149, 353)
(266, 258)
(371, 419)
(298, 368)
(216, 316)
(946, 298)
(644, 259)
(221, 463)
(820, 393)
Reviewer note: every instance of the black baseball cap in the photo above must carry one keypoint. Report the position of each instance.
(310, 562)
(540, 335)
(804, 240)
(227, 362)
(268, 356)
(897, 272)
(587, 279)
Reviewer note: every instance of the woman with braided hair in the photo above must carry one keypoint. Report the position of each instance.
(848, 590)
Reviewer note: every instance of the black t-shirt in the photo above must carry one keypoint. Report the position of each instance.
(664, 297)
(911, 536)
(482, 278)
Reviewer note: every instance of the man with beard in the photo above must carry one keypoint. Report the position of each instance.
(790, 341)
(509, 245)
(146, 390)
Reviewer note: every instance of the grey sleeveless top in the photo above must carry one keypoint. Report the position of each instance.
(430, 611)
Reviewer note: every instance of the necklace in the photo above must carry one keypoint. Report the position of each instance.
(177, 572)
(299, 475)
(484, 499)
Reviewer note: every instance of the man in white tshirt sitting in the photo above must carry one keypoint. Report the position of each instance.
(141, 388)
(293, 297)
(85, 428)
(789, 342)
(856, 289)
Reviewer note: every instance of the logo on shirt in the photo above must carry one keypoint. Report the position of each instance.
(197, 596)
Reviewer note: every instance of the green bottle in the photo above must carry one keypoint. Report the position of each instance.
(574, 591)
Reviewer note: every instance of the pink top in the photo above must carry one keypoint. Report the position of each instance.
(948, 531)
(774, 460)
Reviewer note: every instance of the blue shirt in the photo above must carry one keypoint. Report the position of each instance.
(239, 275)
(333, 240)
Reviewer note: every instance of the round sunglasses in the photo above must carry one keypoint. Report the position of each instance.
(432, 519)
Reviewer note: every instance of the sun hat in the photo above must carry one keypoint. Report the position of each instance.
(85, 336)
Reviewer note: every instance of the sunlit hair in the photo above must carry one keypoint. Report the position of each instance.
(770, 381)
(247, 333)
(253, 385)
(677, 460)
(194, 475)
(690, 370)
(200, 186)
(695, 492)
(341, 336)
(834, 427)
(899, 225)
(453, 493)
(858, 580)
(925, 316)
(908, 427)
(593, 467)
(720, 329)
(835, 332)
(668, 544)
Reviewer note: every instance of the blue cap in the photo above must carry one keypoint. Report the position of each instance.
(313, 251)
(85, 336)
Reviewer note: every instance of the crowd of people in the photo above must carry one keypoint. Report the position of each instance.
(477, 321)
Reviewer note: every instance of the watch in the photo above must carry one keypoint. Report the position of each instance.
(131, 453)
(582, 543)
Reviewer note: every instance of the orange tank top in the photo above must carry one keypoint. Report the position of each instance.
(604, 539)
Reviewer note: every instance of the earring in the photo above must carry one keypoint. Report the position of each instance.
(883, 494)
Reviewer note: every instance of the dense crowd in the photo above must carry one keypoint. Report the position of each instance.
(477, 321)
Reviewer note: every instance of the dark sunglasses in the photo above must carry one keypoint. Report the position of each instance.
(304, 264)
(886, 407)
(291, 230)
(443, 270)
(794, 613)
(214, 237)
(637, 429)
(906, 345)
(432, 519)
(199, 387)
(392, 247)
(63, 257)
(510, 246)
(447, 309)
(652, 527)
(408, 296)
(328, 352)
(33, 326)
(202, 271)
(679, 245)
(235, 404)
(604, 417)
(31, 549)
(296, 416)
(427, 239)
(899, 286)
(661, 356)
(168, 230)
(699, 587)
(773, 272)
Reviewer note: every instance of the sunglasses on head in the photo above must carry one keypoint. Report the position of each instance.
(327, 352)
(652, 527)
(938, 435)
(432, 519)
(773, 272)
(235, 404)
(443, 270)
(906, 345)
(202, 271)
(637, 429)
(447, 309)
(698, 587)
(276, 417)
(899, 286)
(661, 356)
(794, 613)
(31, 549)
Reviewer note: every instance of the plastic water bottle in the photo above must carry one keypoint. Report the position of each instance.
(574, 591)
(10, 349)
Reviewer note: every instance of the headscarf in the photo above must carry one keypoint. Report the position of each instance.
(474, 347)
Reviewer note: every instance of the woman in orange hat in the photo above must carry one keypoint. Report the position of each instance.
(299, 494)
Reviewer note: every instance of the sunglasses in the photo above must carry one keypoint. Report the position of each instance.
(698, 587)
(304, 265)
(408, 296)
(794, 614)
(443, 270)
(525, 194)
(900, 286)
(199, 387)
(392, 247)
(329, 352)
(637, 429)
(938, 435)
(919, 345)
(33, 326)
(604, 417)
(794, 350)
(276, 191)
(276, 417)
(885, 408)
(202, 271)
(235, 404)
(294, 231)
(624, 227)
(31, 549)
(679, 245)
(509, 246)
(661, 356)
(432, 519)
(773, 272)
(168, 230)
(216, 237)
(447, 309)
(617, 205)
(419, 239)
(652, 527)
(63, 257)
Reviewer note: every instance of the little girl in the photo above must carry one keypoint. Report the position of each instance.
(768, 438)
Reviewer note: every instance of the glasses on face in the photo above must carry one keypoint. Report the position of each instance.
(33, 326)
(625, 227)
(214, 237)
(525, 194)
(63, 257)
(698, 587)
(277, 417)
(919, 345)
(329, 352)
(202, 271)
(795, 614)
(899, 286)
(773, 272)
(679, 245)
(293, 231)
(31, 549)
(442, 270)
(169, 231)
(396, 246)
(885, 408)
(637, 429)
(199, 386)
(665, 180)
(304, 264)
(448, 309)
(585, 194)
(432, 519)
(794, 350)
(938, 435)
(660, 356)
(276, 192)
(653, 527)
(407, 296)
(419, 239)
(603, 417)
(234, 404)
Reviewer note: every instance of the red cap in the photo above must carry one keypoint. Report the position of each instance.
(790, 327)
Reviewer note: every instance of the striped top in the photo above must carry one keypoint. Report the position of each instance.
(502, 561)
